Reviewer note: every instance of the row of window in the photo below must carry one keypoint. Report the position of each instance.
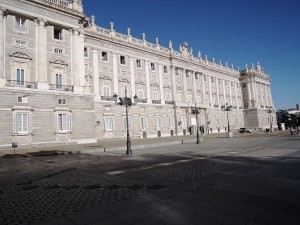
(23, 121)
(21, 25)
(122, 60)
(110, 127)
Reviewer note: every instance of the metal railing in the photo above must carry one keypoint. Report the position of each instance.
(169, 102)
(22, 84)
(141, 100)
(67, 88)
(64, 3)
(156, 101)
(107, 98)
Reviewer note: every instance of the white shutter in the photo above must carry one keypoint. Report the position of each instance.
(70, 122)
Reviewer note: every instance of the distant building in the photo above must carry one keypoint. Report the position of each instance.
(59, 71)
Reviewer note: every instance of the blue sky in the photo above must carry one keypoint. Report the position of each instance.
(235, 31)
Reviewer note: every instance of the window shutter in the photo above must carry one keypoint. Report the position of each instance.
(15, 123)
(29, 123)
(70, 122)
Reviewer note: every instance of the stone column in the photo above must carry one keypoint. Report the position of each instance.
(260, 95)
(209, 86)
(224, 92)
(265, 94)
(2, 46)
(203, 89)
(194, 90)
(161, 84)
(42, 65)
(270, 96)
(132, 80)
(218, 96)
(230, 92)
(115, 73)
(184, 89)
(253, 94)
(236, 95)
(249, 95)
(78, 61)
(148, 90)
(173, 80)
(96, 75)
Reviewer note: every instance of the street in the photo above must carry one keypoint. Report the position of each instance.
(247, 180)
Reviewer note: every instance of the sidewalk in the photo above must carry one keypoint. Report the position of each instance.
(107, 145)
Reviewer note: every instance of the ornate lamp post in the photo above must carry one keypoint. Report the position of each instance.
(196, 111)
(270, 110)
(227, 109)
(125, 101)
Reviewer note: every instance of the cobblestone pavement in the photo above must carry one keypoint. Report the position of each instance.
(175, 185)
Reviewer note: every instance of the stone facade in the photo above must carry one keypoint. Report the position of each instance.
(59, 72)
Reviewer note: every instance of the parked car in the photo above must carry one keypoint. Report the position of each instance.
(245, 130)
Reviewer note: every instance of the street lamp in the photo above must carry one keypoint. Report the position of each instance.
(125, 101)
(270, 110)
(227, 109)
(196, 111)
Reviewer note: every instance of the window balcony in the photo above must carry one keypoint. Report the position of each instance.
(169, 102)
(67, 88)
(141, 100)
(22, 84)
(107, 98)
(64, 3)
(156, 101)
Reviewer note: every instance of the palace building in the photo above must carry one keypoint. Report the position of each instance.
(59, 72)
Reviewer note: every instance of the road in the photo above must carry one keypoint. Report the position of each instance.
(247, 180)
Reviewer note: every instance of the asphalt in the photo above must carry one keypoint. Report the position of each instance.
(252, 179)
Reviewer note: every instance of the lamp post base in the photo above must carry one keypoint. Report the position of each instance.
(129, 152)
(230, 134)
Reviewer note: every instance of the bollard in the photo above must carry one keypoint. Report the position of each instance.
(182, 141)
(14, 145)
(104, 150)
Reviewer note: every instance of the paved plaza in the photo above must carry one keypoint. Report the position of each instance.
(247, 180)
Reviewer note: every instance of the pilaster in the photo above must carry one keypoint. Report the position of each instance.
(210, 93)
(42, 76)
(173, 77)
(2, 46)
(161, 85)
(270, 95)
(78, 61)
(203, 88)
(249, 95)
(224, 92)
(184, 91)
(115, 73)
(96, 75)
(230, 92)
(148, 90)
(236, 95)
(218, 96)
(132, 80)
(194, 91)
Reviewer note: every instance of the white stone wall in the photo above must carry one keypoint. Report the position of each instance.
(168, 82)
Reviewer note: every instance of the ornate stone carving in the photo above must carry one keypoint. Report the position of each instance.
(20, 55)
(59, 61)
